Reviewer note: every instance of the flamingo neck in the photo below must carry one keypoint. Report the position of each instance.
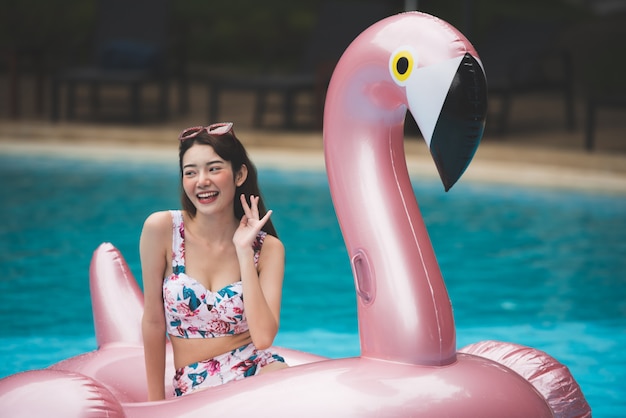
(404, 310)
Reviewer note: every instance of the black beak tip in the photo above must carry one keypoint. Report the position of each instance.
(461, 123)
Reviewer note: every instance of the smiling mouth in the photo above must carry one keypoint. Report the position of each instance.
(207, 196)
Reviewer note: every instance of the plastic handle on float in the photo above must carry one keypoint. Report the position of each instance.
(365, 288)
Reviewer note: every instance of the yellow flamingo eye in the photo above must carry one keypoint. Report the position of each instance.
(401, 64)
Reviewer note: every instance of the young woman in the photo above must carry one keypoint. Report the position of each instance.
(198, 262)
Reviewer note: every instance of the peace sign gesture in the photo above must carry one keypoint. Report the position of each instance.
(250, 224)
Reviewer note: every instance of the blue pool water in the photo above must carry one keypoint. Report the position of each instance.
(543, 268)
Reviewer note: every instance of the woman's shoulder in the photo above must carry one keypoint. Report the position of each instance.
(272, 243)
(160, 221)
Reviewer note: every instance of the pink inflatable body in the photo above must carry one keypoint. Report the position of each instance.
(409, 364)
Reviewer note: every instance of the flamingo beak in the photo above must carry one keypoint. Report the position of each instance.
(457, 89)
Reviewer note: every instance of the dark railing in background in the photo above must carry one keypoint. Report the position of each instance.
(254, 39)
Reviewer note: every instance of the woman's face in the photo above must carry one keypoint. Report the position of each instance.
(208, 180)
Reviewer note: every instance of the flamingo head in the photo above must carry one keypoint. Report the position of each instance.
(448, 101)
(416, 62)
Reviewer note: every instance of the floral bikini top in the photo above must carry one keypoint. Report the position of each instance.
(193, 311)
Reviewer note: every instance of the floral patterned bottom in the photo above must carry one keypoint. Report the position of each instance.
(235, 365)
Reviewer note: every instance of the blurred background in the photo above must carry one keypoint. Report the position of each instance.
(555, 68)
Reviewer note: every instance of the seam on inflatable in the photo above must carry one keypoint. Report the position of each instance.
(419, 248)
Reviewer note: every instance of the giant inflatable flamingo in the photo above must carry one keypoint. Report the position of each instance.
(409, 365)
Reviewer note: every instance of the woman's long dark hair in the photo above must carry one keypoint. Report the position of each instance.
(228, 147)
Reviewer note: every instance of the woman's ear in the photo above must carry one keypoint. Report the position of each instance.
(241, 175)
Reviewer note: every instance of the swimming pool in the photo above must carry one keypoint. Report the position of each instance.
(543, 268)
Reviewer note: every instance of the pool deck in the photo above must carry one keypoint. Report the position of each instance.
(538, 151)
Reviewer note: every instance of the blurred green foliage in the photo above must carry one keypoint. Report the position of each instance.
(45, 22)
(244, 33)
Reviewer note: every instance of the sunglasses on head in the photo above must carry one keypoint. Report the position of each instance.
(216, 129)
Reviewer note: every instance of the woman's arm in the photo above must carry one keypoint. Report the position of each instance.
(263, 291)
(262, 288)
(152, 249)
